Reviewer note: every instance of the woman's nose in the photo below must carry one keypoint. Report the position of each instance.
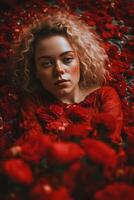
(59, 68)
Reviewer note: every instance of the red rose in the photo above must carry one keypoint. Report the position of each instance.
(128, 114)
(129, 73)
(119, 66)
(33, 147)
(106, 34)
(127, 54)
(25, 125)
(117, 191)
(70, 175)
(89, 101)
(60, 194)
(99, 152)
(43, 190)
(114, 52)
(76, 130)
(43, 115)
(64, 153)
(126, 173)
(129, 130)
(121, 86)
(18, 171)
(104, 124)
(77, 114)
(56, 110)
(56, 126)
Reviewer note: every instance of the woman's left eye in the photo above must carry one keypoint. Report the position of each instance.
(67, 60)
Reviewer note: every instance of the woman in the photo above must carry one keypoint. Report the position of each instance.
(61, 64)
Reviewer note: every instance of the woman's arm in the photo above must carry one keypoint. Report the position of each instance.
(111, 104)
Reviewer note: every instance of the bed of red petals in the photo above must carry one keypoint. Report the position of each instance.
(73, 165)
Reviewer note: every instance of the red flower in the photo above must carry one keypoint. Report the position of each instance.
(56, 110)
(129, 73)
(88, 17)
(119, 66)
(114, 52)
(104, 123)
(44, 190)
(90, 100)
(33, 147)
(60, 194)
(76, 130)
(64, 153)
(70, 175)
(107, 35)
(120, 85)
(18, 171)
(127, 54)
(129, 130)
(56, 126)
(77, 114)
(43, 115)
(49, 114)
(117, 191)
(99, 152)
(26, 125)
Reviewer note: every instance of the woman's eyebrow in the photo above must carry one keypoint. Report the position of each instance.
(49, 57)
(66, 52)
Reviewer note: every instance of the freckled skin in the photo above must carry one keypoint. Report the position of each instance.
(55, 60)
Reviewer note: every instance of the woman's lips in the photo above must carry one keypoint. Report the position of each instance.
(59, 82)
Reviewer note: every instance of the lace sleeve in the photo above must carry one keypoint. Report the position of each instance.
(111, 104)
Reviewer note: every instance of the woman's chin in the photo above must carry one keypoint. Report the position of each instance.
(62, 92)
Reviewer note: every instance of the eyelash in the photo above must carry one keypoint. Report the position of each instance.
(50, 63)
(67, 60)
(47, 64)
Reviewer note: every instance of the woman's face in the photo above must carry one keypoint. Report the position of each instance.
(57, 66)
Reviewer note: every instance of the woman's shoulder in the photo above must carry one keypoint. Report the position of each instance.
(108, 91)
(103, 90)
(107, 88)
(109, 94)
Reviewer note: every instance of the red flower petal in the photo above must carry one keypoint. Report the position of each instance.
(18, 171)
(99, 152)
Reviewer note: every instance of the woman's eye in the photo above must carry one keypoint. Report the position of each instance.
(67, 60)
(46, 63)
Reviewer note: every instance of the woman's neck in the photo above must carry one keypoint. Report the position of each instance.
(78, 96)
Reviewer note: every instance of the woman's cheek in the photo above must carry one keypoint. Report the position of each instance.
(75, 69)
(75, 72)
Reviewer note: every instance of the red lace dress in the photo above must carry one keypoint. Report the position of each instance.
(99, 115)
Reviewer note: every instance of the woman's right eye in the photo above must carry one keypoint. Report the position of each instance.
(47, 63)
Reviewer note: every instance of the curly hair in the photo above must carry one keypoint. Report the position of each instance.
(92, 56)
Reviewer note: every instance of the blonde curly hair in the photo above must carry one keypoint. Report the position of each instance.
(88, 45)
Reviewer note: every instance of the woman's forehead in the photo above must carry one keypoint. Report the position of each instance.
(53, 46)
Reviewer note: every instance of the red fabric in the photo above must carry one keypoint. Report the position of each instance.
(104, 100)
